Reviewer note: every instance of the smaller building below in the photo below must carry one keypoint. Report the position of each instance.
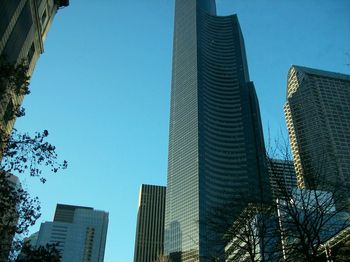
(80, 233)
(150, 224)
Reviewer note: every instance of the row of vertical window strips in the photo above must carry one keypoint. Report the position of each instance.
(150, 224)
(182, 194)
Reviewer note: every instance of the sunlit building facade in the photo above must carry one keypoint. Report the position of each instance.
(216, 149)
(318, 119)
(150, 224)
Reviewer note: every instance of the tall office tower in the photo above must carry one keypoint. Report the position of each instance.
(216, 149)
(150, 224)
(24, 25)
(318, 119)
(282, 177)
(80, 232)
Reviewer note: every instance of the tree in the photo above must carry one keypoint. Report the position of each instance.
(253, 235)
(14, 84)
(20, 154)
(296, 226)
(249, 236)
(308, 216)
(48, 253)
(18, 211)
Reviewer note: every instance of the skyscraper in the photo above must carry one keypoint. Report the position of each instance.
(24, 25)
(318, 119)
(216, 149)
(80, 232)
(150, 224)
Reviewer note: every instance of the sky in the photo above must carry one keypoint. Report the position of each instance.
(102, 89)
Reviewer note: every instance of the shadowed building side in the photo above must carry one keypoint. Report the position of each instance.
(150, 224)
(65, 213)
(24, 25)
(282, 177)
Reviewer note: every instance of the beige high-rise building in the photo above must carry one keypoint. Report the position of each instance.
(318, 119)
(24, 25)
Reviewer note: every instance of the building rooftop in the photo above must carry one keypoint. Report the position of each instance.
(323, 73)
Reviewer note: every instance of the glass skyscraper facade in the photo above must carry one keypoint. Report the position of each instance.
(216, 149)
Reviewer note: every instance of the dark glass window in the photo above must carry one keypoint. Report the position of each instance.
(43, 18)
(31, 53)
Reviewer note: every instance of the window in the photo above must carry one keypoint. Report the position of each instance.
(31, 53)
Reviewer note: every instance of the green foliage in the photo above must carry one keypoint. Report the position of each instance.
(18, 211)
(48, 253)
(13, 77)
(24, 153)
(14, 83)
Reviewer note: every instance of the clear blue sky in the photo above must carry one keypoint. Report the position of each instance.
(102, 89)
